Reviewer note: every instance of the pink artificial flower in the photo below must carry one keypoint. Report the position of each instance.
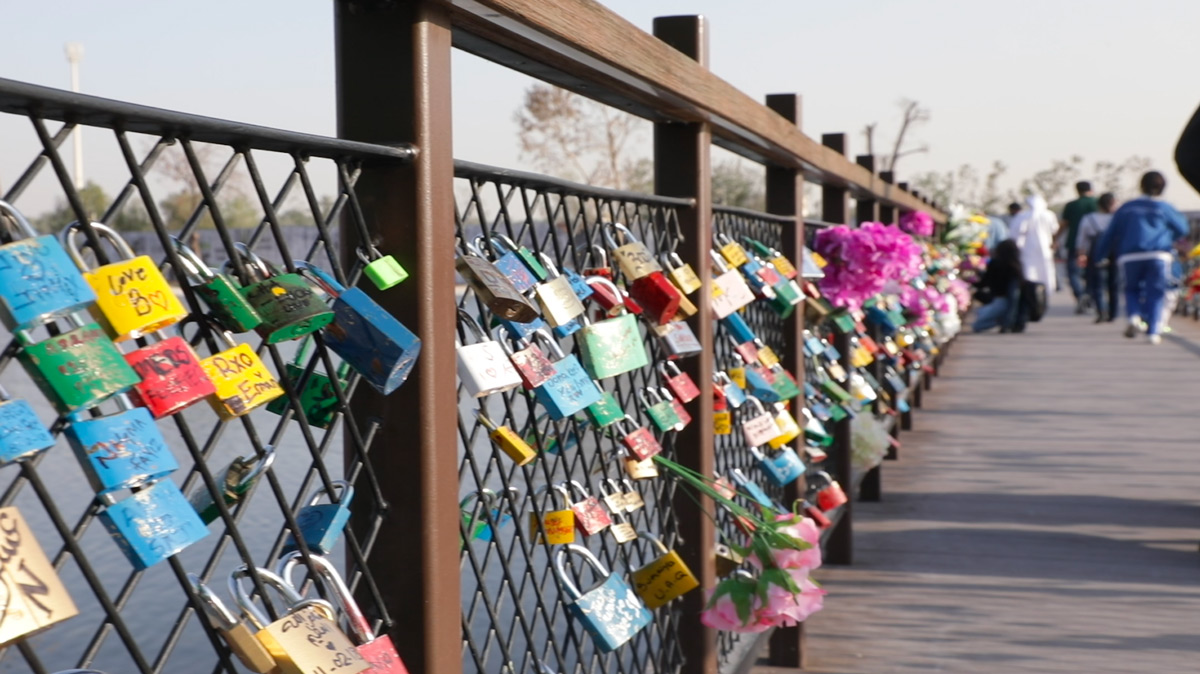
(723, 615)
(917, 223)
(785, 608)
(804, 529)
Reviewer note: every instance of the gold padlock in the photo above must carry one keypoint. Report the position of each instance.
(731, 250)
(788, 428)
(508, 441)
(682, 274)
(622, 531)
(640, 470)
(633, 497)
(560, 305)
(728, 560)
(36, 599)
(237, 635)
(632, 257)
(665, 578)
(559, 525)
(306, 639)
(133, 298)
(611, 494)
(766, 355)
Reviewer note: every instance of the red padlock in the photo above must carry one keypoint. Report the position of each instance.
(641, 442)
(599, 261)
(831, 495)
(172, 378)
(680, 382)
(816, 515)
(530, 362)
(610, 298)
(658, 296)
(590, 517)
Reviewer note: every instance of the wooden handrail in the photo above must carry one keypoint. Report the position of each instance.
(583, 46)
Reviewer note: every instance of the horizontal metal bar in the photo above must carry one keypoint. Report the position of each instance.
(66, 106)
(466, 169)
(756, 215)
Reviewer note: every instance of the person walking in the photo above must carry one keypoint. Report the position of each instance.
(1072, 215)
(999, 290)
(1100, 277)
(1033, 229)
(1141, 236)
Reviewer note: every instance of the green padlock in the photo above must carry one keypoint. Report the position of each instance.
(607, 411)
(660, 410)
(844, 323)
(289, 305)
(226, 303)
(76, 369)
(383, 270)
(317, 396)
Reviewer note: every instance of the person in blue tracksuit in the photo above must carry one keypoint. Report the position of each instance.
(1141, 236)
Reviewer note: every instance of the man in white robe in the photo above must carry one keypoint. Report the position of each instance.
(1033, 229)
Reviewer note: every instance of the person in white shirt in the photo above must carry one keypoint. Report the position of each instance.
(1033, 230)
(1100, 275)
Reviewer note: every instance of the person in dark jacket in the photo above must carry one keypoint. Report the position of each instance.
(999, 289)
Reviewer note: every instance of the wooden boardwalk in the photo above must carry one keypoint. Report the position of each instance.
(1043, 517)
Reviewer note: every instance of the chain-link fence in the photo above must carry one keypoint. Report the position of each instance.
(144, 620)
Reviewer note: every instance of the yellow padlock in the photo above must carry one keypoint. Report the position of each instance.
(738, 375)
(35, 598)
(558, 524)
(508, 441)
(766, 355)
(133, 298)
(682, 274)
(732, 251)
(242, 381)
(723, 422)
(860, 356)
(632, 256)
(788, 428)
(663, 579)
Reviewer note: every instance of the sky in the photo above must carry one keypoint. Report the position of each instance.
(1023, 82)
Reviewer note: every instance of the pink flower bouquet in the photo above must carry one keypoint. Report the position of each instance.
(863, 260)
(917, 223)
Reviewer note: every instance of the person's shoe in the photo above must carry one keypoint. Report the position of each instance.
(1154, 340)
(1132, 329)
(1100, 318)
(1080, 306)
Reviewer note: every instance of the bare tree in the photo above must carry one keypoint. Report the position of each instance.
(914, 115)
(869, 136)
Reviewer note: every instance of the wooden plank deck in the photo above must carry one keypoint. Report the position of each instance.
(1043, 517)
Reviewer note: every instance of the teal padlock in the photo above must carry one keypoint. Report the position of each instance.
(660, 410)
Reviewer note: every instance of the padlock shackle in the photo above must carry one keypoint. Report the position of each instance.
(616, 290)
(195, 270)
(604, 485)
(757, 403)
(486, 421)
(666, 365)
(609, 229)
(253, 260)
(472, 325)
(368, 253)
(103, 231)
(346, 493)
(218, 614)
(603, 255)
(642, 396)
(26, 227)
(551, 268)
(320, 277)
(666, 394)
(655, 539)
(630, 485)
(269, 580)
(510, 246)
(579, 487)
(560, 559)
(671, 260)
(336, 588)
(552, 343)
(205, 323)
(718, 262)
(560, 488)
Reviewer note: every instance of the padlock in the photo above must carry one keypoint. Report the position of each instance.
(680, 382)
(685, 417)
(242, 381)
(631, 255)
(760, 383)
(783, 467)
(610, 612)
(493, 288)
(752, 489)
(558, 300)
(508, 441)
(681, 273)
(752, 271)
(22, 435)
(639, 469)
(606, 411)
(171, 377)
(859, 388)
(633, 497)
(377, 346)
(658, 409)
(657, 296)
(788, 428)
(122, 450)
(570, 390)
(783, 383)
(729, 290)
(734, 394)
(731, 250)
(814, 454)
(483, 528)
(226, 303)
(290, 306)
(776, 259)
(531, 362)
(38, 281)
(590, 517)
(152, 524)
(379, 651)
(237, 634)
(727, 560)
(234, 481)
(613, 497)
(306, 639)
(598, 259)
(638, 440)
(132, 296)
(814, 513)
(611, 298)
(383, 270)
(622, 531)
(35, 598)
(664, 578)
(722, 422)
(78, 368)
(507, 263)
(503, 247)
(860, 356)
(829, 495)
(678, 340)
(321, 524)
(612, 346)
(737, 374)
(766, 355)
(318, 399)
(814, 430)
(559, 525)
(758, 425)
(483, 367)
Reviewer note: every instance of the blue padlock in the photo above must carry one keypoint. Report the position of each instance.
(735, 396)
(738, 328)
(783, 467)
(122, 450)
(759, 386)
(519, 331)
(571, 389)
(753, 490)
(581, 287)
(611, 612)
(812, 345)
(152, 524)
(321, 524)
(366, 336)
(509, 263)
(22, 435)
(38, 281)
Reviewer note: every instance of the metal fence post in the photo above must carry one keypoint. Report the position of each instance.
(887, 212)
(835, 209)
(866, 210)
(785, 196)
(683, 168)
(393, 85)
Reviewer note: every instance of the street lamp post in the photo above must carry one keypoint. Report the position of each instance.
(74, 56)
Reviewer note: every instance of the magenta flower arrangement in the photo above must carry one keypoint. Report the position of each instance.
(862, 261)
(917, 223)
(782, 550)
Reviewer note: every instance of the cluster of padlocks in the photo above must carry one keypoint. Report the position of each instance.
(109, 398)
